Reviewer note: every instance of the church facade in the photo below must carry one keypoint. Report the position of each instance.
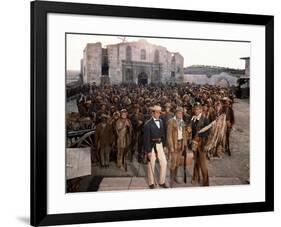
(138, 62)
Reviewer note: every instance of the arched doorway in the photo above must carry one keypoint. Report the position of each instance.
(142, 78)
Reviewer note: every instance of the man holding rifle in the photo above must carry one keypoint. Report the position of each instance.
(124, 131)
(199, 140)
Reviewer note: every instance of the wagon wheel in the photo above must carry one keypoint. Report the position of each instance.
(88, 140)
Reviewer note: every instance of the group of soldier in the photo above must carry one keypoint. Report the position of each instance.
(160, 122)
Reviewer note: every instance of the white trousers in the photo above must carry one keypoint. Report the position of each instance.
(151, 165)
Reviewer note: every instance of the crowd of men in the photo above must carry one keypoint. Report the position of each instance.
(159, 122)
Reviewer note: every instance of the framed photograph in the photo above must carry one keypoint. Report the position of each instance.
(146, 113)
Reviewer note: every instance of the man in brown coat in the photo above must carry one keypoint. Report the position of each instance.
(230, 120)
(137, 121)
(124, 134)
(104, 138)
(177, 142)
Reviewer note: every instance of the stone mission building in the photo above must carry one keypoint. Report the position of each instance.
(138, 62)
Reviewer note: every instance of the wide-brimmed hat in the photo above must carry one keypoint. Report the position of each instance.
(185, 96)
(197, 105)
(105, 116)
(155, 108)
(217, 103)
(141, 99)
(103, 104)
(179, 109)
(123, 111)
(226, 99)
(168, 104)
(116, 114)
(115, 96)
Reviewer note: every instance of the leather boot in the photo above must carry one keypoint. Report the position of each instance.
(175, 176)
(171, 178)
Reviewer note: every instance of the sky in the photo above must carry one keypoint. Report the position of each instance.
(195, 52)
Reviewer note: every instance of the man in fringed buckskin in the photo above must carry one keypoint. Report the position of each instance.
(124, 133)
(177, 143)
(199, 140)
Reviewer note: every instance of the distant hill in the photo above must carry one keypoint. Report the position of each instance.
(212, 70)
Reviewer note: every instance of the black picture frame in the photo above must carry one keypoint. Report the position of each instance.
(39, 11)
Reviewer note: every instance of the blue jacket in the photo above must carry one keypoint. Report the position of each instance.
(151, 131)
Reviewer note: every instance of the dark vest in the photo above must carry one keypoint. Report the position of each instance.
(197, 125)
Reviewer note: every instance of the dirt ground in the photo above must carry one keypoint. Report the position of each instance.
(236, 165)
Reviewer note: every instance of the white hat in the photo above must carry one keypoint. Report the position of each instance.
(156, 108)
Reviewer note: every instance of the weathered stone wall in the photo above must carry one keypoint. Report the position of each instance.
(178, 67)
(92, 63)
(114, 71)
(141, 58)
